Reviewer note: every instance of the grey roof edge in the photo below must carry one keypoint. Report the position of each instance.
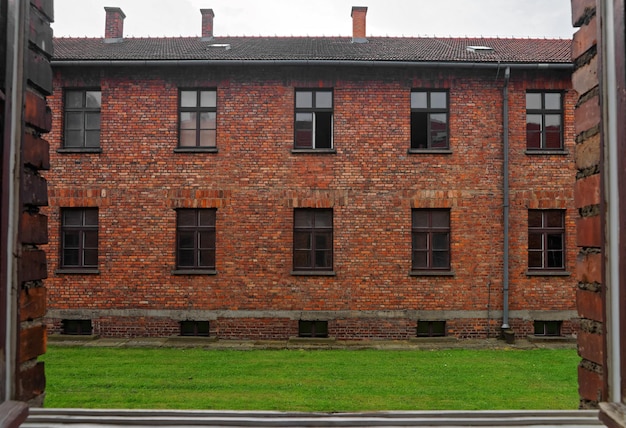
(368, 63)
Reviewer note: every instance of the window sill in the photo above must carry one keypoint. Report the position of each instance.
(547, 273)
(313, 273)
(613, 415)
(431, 273)
(314, 151)
(547, 152)
(195, 150)
(429, 151)
(77, 271)
(194, 272)
(80, 150)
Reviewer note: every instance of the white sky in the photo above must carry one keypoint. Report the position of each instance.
(456, 18)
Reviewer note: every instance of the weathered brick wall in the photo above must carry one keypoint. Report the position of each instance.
(589, 265)
(255, 181)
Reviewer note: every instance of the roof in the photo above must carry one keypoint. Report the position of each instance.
(377, 49)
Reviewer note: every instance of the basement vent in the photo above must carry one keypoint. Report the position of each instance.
(225, 46)
(479, 49)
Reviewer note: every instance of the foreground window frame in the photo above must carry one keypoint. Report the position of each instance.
(430, 240)
(197, 120)
(313, 240)
(544, 121)
(79, 239)
(82, 110)
(430, 120)
(313, 120)
(195, 240)
(431, 328)
(546, 240)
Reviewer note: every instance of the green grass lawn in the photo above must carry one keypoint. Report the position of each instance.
(311, 380)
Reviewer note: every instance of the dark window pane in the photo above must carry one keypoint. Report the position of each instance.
(73, 121)
(202, 328)
(72, 217)
(208, 99)
(92, 138)
(553, 139)
(555, 241)
(305, 328)
(438, 100)
(91, 239)
(207, 258)
(93, 99)
(74, 99)
(554, 218)
(555, 259)
(188, 99)
(91, 257)
(553, 101)
(323, 218)
(419, 100)
(535, 259)
(303, 218)
(302, 259)
(207, 240)
(185, 258)
(323, 130)
(419, 130)
(323, 259)
(420, 218)
(441, 259)
(322, 241)
(206, 217)
(440, 241)
(535, 241)
(324, 99)
(535, 218)
(533, 101)
(420, 241)
(420, 259)
(441, 219)
(304, 99)
(71, 239)
(91, 217)
(302, 240)
(186, 240)
(186, 217)
(73, 138)
(70, 257)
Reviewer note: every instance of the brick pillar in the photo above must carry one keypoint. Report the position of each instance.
(589, 239)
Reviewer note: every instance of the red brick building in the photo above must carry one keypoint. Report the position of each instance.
(351, 187)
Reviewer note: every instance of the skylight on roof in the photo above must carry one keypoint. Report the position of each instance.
(479, 49)
(225, 46)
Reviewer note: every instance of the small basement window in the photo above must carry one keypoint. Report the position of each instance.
(313, 328)
(76, 327)
(547, 328)
(431, 328)
(194, 328)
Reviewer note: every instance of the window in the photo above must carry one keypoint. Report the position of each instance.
(431, 328)
(82, 119)
(544, 115)
(431, 239)
(76, 327)
(198, 118)
(194, 328)
(313, 239)
(313, 328)
(547, 328)
(195, 248)
(79, 238)
(314, 119)
(546, 236)
(429, 120)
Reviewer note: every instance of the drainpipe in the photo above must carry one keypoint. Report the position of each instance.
(505, 203)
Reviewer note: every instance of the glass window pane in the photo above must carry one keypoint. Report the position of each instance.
(534, 241)
(441, 259)
(188, 120)
(188, 138)
(71, 239)
(74, 99)
(440, 241)
(438, 328)
(303, 218)
(186, 217)
(73, 138)
(301, 259)
(553, 101)
(419, 100)
(553, 139)
(186, 240)
(555, 259)
(188, 99)
(419, 130)
(302, 241)
(206, 217)
(208, 99)
(535, 218)
(535, 259)
(93, 99)
(92, 138)
(420, 241)
(554, 218)
(420, 259)
(207, 120)
(73, 120)
(207, 240)
(70, 257)
(323, 218)
(439, 130)
(91, 239)
(91, 257)
(322, 241)
(207, 138)
(555, 241)
(420, 218)
(323, 130)
(533, 101)
(441, 219)
(533, 139)
(324, 99)
(304, 99)
(91, 217)
(185, 258)
(323, 259)
(72, 218)
(92, 120)
(207, 258)
(438, 99)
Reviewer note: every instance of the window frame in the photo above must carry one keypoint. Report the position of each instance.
(74, 327)
(313, 325)
(430, 230)
(432, 325)
(543, 111)
(314, 110)
(81, 247)
(198, 109)
(313, 231)
(546, 326)
(195, 327)
(84, 111)
(544, 231)
(428, 111)
(196, 230)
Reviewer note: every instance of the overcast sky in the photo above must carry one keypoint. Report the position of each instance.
(456, 18)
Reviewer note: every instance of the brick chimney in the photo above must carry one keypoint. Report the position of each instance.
(358, 24)
(114, 25)
(207, 23)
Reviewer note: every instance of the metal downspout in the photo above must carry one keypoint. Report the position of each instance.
(505, 197)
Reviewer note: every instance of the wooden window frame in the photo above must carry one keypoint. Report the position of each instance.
(199, 109)
(199, 244)
(429, 231)
(82, 230)
(84, 111)
(313, 232)
(429, 111)
(545, 231)
(317, 328)
(430, 330)
(544, 112)
(318, 114)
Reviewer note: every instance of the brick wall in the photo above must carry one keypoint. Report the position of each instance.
(255, 182)
(589, 264)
